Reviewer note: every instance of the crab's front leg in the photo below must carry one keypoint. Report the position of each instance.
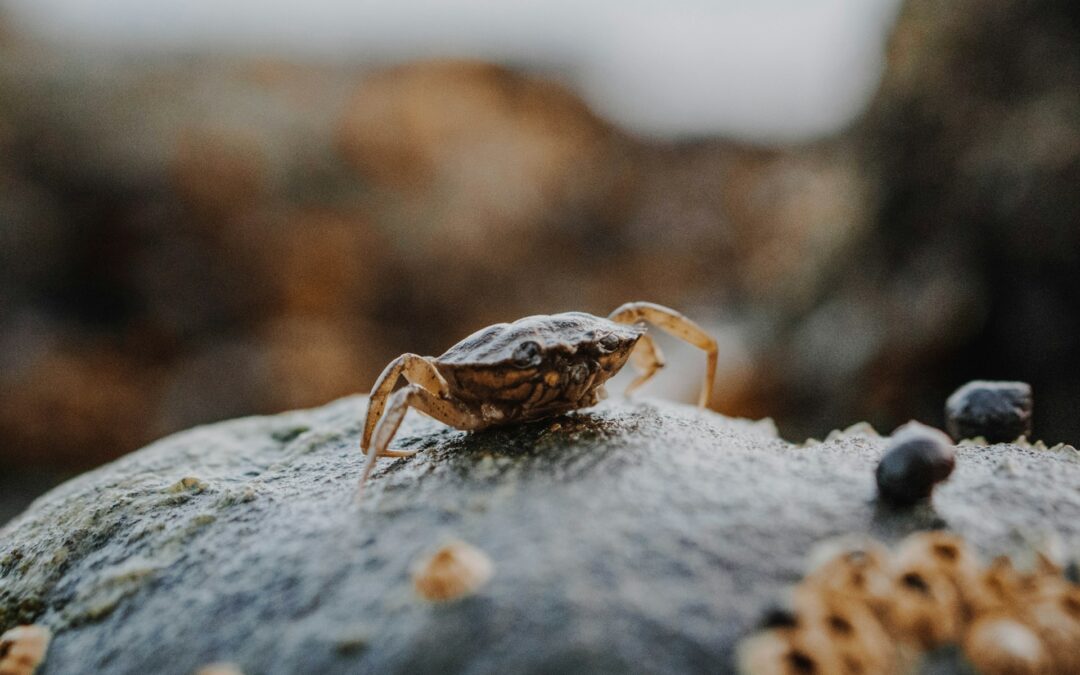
(443, 408)
(674, 323)
(416, 370)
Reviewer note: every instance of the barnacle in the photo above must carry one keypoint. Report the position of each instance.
(1001, 644)
(871, 610)
(454, 571)
(861, 573)
(22, 649)
(924, 607)
(853, 633)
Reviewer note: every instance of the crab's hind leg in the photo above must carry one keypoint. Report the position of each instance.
(446, 410)
(670, 321)
(647, 359)
(416, 370)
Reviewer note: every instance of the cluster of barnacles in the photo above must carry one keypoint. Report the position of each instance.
(872, 610)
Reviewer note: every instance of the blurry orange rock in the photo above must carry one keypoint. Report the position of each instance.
(77, 407)
(478, 160)
(320, 261)
(310, 361)
(413, 124)
(218, 172)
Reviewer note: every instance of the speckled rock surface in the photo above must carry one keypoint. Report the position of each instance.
(635, 537)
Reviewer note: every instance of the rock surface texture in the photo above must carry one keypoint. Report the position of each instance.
(635, 537)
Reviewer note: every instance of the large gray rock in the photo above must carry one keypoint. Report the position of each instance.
(635, 537)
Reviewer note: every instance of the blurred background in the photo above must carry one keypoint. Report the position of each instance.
(211, 209)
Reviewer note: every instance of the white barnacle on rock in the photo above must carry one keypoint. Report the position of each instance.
(456, 570)
(22, 649)
(188, 484)
(1000, 644)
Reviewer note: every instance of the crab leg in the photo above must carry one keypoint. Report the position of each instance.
(446, 410)
(646, 359)
(674, 323)
(416, 370)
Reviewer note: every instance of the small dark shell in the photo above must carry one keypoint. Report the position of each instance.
(917, 458)
(1000, 412)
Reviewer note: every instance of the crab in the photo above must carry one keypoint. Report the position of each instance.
(534, 368)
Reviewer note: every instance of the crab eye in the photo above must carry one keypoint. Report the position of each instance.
(527, 355)
(609, 342)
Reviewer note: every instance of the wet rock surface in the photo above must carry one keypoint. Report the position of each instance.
(634, 537)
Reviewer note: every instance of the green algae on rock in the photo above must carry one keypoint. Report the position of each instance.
(637, 536)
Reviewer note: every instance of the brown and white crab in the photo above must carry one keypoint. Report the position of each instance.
(533, 368)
